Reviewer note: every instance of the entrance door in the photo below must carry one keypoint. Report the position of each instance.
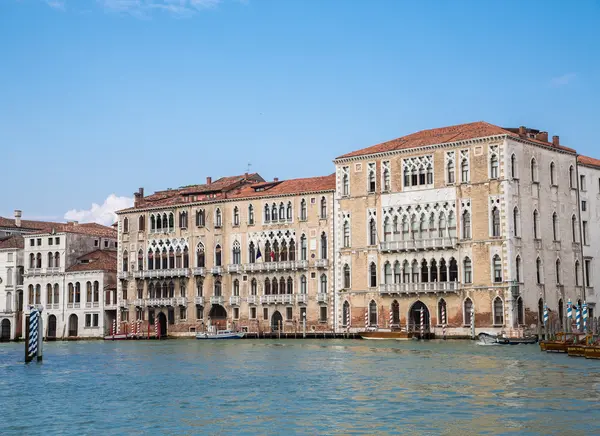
(162, 321)
(73, 323)
(276, 321)
(218, 317)
(51, 326)
(415, 317)
(5, 330)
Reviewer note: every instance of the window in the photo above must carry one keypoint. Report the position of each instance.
(141, 223)
(372, 275)
(32, 242)
(372, 314)
(574, 228)
(468, 270)
(466, 222)
(105, 244)
(267, 213)
(372, 232)
(552, 174)
(200, 218)
(513, 166)
(585, 232)
(9, 277)
(577, 282)
(588, 272)
(495, 222)
(236, 216)
(38, 260)
(323, 314)
(218, 218)
(371, 177)
(571, 177)
(346, 276)
(555, 232)
(50, 240)
(387, 229)
(250, 215)
(538, 271)
(345, 181)
(497, 267)
(217, 288)
(236, 288)
(323, 284)
(498, 311)
(323, 208)
(558, 272)
(288, 211)
(387, 273)
(494, 167)
(464, 171)
(518, 269)
(450, 172)
(9, 257)
(582, 185)
(468, 311)
(88, 319)
(346, 232)
(583, 205)
(303, 285)
(323, 246)
(218, 255)
(534, 171)
(303, 212)
(95, 320)
(520, 312)
(183, 220)
(182, 313)
(125, 259)
(386, 176)
(281, 212)
(39, 242)
(237, 253)
(288, 313)
(303, 248)
(96, 243)
(536, 225)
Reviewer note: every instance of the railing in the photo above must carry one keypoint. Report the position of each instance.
(234, 300)
(234, 268)
(138, 274)
(321, 263)
(199, 271)
(277, 299)
(53, 270)
(406, 288)
(276, 266)
(123, 303)
(322, 297)
(217, 270)
(417, 244)
(252, 299)
(34, 271)
(52, 306)
(122, 275)
(217, 300)
(301, 298)
(199, 300)
(181, 301)
(109, 306)
(254, 267)
(160, 302)
(139, 302)
(173, 272)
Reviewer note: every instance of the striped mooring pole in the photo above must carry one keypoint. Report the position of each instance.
(114, 330)
(472, 322)
(569, 315)
(367, 318)
(443, 321)
(156, 328)
(34, 335)
(139, 327)
(132, 327)
(391, 318)
(422, 315)
(578, 318)
(585, 316)
(546, 321)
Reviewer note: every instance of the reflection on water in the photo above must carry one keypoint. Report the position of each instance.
(306, 387)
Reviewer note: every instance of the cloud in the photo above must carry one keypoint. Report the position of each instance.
(563, 80)
(143, 8)
(104, 214)
(56, 4)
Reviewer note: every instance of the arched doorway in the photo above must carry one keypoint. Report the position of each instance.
(5, 330)
(51, 327)
(162, 322)
(414, 316)
(73, 324)
(218, 316)
(276, 321)
(395, 313)
(520, 312)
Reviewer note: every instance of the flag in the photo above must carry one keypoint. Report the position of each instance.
(272, 256)
(258, 254)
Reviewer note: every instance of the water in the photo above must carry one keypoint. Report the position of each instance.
(303, 387)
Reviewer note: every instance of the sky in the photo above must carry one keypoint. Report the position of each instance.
(101, 97)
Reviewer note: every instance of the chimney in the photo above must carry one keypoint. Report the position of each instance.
(276, 179)
(208, 180)
(18, 214)
(522, 130)
(72, 223)
(542, 136)
(137, 197)
(555, 140)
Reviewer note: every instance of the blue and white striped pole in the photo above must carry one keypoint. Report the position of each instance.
(33, 333)
(546, 321)
(578, 318)
(585, 316)
(569, 314)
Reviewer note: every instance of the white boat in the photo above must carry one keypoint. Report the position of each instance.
(220, 334)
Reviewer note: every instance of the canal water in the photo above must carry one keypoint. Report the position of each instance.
(296, 387)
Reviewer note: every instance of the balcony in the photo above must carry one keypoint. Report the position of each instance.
(301, 298)
(139, 302)
(138, 274)
(235, 300)
(34, 271)
(53, 270)
(52, 306)
(417, 244)
(160, 273)
(199, 300)
(252, 299)
(216, 270)
(417, 288)
(286, 265)
(234, 268)
(277, 299)
(255, 267)
(321, 263)
(217, 300)
(123, 304)
(122, 275)
(181, 301)
(110, 306)
(322, 297)
(199, 271)
(160, 302)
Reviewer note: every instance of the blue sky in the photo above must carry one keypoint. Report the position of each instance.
(100, 97)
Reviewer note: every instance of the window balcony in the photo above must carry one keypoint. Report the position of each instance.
(216, 270)
(235, 300)
(301, 298)
(321, 263)
(110, 306)
(52, 306)
(123, 304)
(417, 244)
(53, 270)
(300, 264)
(252, 299)
(417, 288)
(160, 302)
(217, 299)
(199, 300)
(122, 275)
(277, 299)
(160, 273)
(322, 297)
(234, 268)
(254, 267)
(34, 271)
(181, 301)
(199, 271)
(139, 302)
(138, 274)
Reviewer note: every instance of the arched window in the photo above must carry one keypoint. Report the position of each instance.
(56, 294)
(217, 287)
(288, 211)
(467, 311)
(152, 224)
(415, 271)
(178, 259)
(292, 251)
(495, 222)
(442, 312)
(497, 268)
(96, 291)
(443, 271)
(159, 222)
(442, 226)
(275, 256)
(450, 171)
(516, 222)
(303, 248)
(536, 225)
(125, 225)
(395, 313)
(218, 218)
(199, 286)
(466, 225)
(346, 276)
(345, 185)
(323, 284)
(574, 228)
(38, 294)
(387, 229)
(283, 252)
(290, 285)
(494, 167)
(372, 232)
(534, 174)
(171, 258)
(572, 183)
(303, 285)
(200, 218)
(252, 252)
(250, 215)
(141, 223)
(577, 281)
(236, 288)
(151, 260)
(88, 292)
(558, 272)
(451, 224)
(513, 166)
(518, 272)
(538, 271)
(372, 275)
(275, 286)
(267, 286)
(186, 258)
(323, 246)
(50, 260)
(323, 208)
(372, 314)
(267, 213)
(237, 254)
(183, 220)
(468, 270)
(555, 233)
(38, 260)
(281, 212)
(140, 264)
(253, 287)
(386, 179)
(303, 212)
(520, 312)
(268, 253)
(396, 230)
(464, 171)
(77, 292)
(236, 216)
(31, 260)
(552, 174)
(498, 311)
(49, 294)
(429, 174)
(218, 255)
(387, 273)
(371, 178)
(31, 296)
(125, 261)
(171, 222)
(424, 272)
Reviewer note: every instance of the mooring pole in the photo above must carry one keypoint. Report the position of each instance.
(40, 344)
(304, 325)
(472, 322)
(27, 359)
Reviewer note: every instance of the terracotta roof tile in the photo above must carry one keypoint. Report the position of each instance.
(34, 227)
(444, 135)
(97, 260)
(588, 161)
(286, 187)
(14, 241)
(27, 224)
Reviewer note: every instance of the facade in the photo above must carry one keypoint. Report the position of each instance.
(453, 219)
(237, 252)
(11, 286)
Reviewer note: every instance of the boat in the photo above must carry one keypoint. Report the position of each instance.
(561, 345)
(220, 334)
(592, 352)
(383, 336)
(489, 339)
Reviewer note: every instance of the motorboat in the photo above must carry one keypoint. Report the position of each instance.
(220, 334)
(489, 339)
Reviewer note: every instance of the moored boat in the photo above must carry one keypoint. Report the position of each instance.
(489, 339)
(576, 350)
(592, 352)
(221, 334)
(562, 344)
(389, 335)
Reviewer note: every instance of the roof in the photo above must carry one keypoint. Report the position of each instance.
(286, 187)
(90, 229)
(444, 135)
(588, 161)
(14, 241)
(27, 224)
(97, 260)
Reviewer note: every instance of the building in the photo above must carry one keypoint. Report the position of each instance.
(447, 220)
(11, 286)
(238, 251)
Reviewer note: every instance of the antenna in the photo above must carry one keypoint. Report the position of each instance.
(249, 165)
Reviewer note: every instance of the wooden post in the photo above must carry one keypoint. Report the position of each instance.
(40, 348)
(27, 358)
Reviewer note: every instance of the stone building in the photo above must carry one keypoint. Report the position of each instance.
(238, 251)
(449, 219)
(11, 286)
